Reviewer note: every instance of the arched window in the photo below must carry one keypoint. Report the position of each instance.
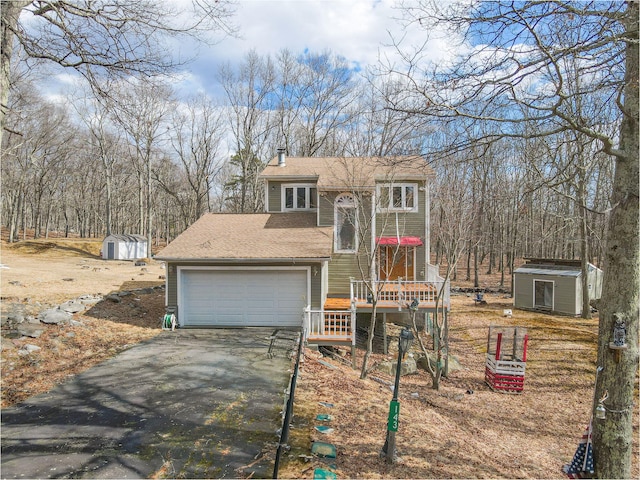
(345, 223)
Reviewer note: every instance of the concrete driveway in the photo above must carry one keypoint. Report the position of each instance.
(186, 404)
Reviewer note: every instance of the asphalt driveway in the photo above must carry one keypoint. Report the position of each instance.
(186, 404)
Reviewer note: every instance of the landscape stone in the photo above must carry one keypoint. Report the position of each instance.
(72, 306)
(113, 298)
(454, 364)
(28, 349)
(407, 367)
(89, 299)
(54, 316)
(30, 330)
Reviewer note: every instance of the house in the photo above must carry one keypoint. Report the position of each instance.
(336, 234)
(554, 285)
(124, 247)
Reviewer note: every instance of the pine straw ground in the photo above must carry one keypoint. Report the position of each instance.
(453, 433)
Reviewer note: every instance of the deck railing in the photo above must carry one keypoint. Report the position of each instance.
(329, 325)
(401, 292)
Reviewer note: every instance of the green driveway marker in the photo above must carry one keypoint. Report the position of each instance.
(394, 416)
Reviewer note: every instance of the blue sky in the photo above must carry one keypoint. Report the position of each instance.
(358, 30)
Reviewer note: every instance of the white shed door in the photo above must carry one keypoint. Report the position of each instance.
(247, 298)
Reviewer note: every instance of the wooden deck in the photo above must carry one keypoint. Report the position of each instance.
(337, 304)
(391, 296)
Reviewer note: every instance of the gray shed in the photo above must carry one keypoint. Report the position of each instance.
(124, 247)
(554, 285)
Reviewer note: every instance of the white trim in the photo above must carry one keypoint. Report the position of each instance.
(553, 293)
(353, 205)
(180, 294)
(427, 228)
(294, 186)
(266, 197)
(404, 185)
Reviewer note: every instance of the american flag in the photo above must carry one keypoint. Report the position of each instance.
(582, 464)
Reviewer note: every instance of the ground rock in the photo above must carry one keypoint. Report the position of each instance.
(454, 364)
(73, 306)
(113, 298)
(54, 316)
(30, 330)
(89, 299)
(407, 368)
(28, 349)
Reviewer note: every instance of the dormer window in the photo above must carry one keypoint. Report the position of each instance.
(297, 197)
(398, 197)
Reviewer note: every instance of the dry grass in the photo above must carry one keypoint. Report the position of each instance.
(443, 434)
(106, 329)
(451, 433)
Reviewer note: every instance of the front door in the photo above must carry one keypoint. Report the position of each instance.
(396, 262)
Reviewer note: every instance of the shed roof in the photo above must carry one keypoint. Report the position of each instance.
(349, 172)
(547, 270)
(123, 237)
(561, 269)
(554, 266)
(258, 236)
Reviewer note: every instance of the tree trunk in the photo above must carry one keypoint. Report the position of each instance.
(612, 436)
(370, 334)
(9, 14)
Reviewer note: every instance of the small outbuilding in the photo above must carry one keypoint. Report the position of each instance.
(554, 285)
(124, 247)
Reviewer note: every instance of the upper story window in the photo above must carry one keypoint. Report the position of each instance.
(345, 224)
(299, 197)
(399, 197)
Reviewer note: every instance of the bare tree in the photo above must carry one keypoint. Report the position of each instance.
(250, 95)
(105, 37)
(512, 74)
(316, 92)
(453, 208)
(142, 110)
(196, 137)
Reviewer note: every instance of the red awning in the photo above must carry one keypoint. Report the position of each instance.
(404, 241)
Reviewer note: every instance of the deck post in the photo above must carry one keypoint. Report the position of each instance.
(353, 336)
(385, 350)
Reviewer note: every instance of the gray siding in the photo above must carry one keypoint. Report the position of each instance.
(325, 209)
(274, 193)
(522, 290)
(564, 294)
(566, 297)
(344, 266)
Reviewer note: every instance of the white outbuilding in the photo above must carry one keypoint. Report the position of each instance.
(124, 247)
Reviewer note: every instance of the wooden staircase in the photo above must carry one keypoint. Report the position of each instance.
(336, 326)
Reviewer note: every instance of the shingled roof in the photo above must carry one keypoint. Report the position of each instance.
(349, 172)
(259, 236)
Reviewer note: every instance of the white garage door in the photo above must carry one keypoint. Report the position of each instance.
(248, 298)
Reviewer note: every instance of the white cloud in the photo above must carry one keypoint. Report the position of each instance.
(356, 29)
